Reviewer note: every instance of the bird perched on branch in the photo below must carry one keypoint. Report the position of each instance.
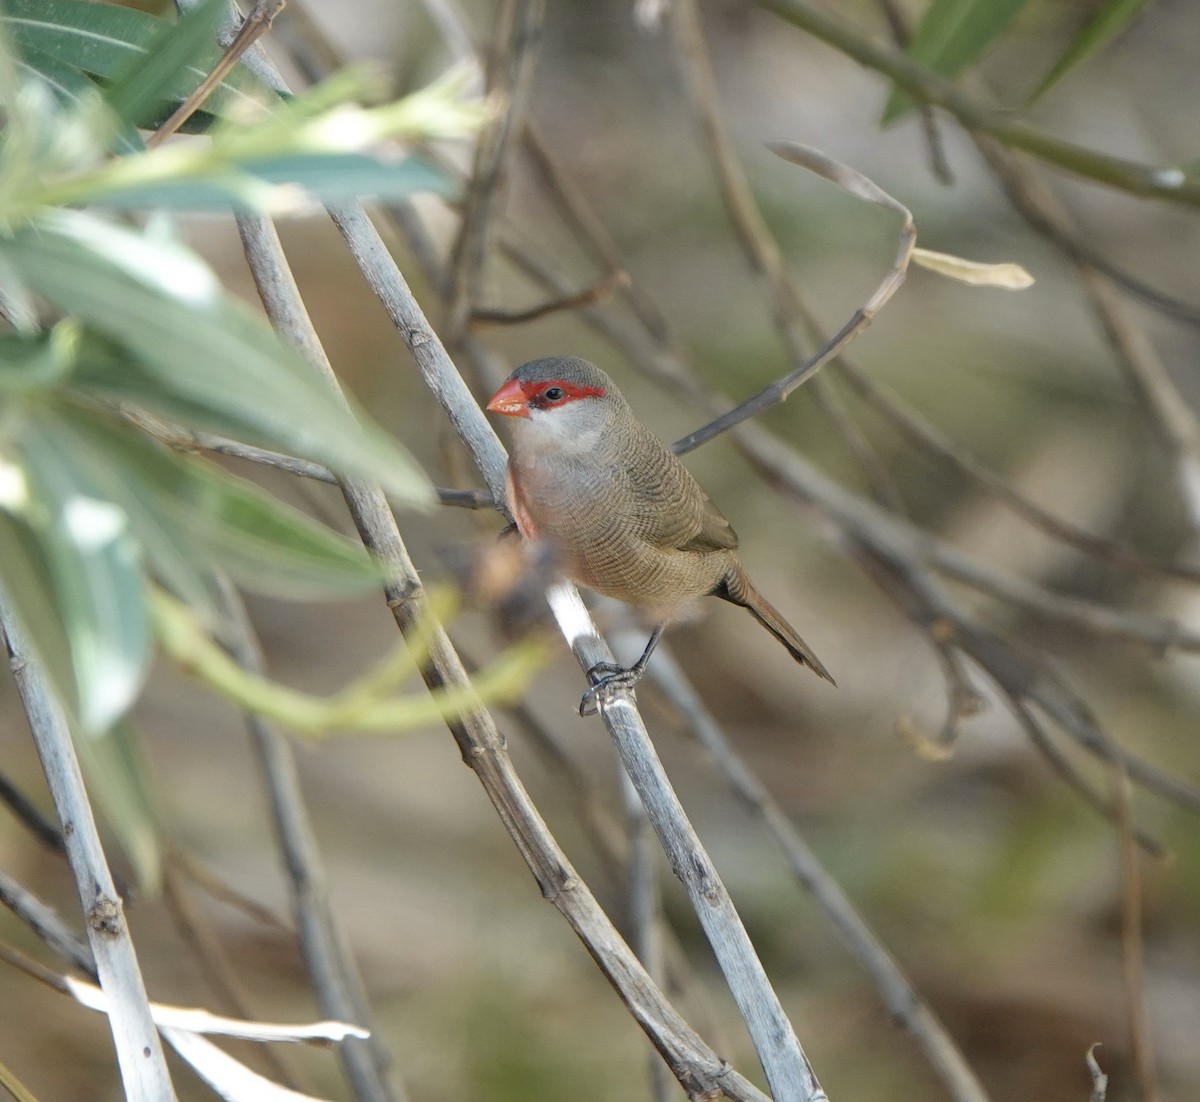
(621, 513)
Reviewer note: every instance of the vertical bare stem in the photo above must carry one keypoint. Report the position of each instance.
(1141, 1040)
(139, 1050)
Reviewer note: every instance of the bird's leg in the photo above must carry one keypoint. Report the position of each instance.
(607, 676)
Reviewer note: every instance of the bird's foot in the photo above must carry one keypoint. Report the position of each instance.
(607, 678)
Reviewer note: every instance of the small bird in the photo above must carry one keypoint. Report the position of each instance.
(622, 515)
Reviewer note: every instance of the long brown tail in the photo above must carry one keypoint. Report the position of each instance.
(735, 587)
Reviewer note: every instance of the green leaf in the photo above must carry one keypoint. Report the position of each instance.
(73, 88)
(198, 349)
(118, 779)
(168, 545)
(147, 86)
(107, 41)
(951, 35)
(29, 592)
(220, 520)
(39, 361)
(1103, 26)
(98, 584)
(312, 177)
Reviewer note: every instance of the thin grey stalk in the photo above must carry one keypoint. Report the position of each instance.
(902, 1000)
(336, 980)
(787, 1069)
(139, 1052)
(644, 906)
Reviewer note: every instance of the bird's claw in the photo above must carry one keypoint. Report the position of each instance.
(606, 678)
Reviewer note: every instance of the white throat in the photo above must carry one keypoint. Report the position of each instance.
(565, 430)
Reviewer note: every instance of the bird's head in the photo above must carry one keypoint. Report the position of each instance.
(561, 402)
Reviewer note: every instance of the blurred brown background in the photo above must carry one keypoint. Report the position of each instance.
(996, 888)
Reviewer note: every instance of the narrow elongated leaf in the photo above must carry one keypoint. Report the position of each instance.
(300, 178)
(197, 347)
(73, 88)
(37, 361)
(118, 779)
(98, 584)
(951, 35)
(107, 40)
(29, 592)
(216, 518)
(1109, 21)
(170, 550)
(148, 84)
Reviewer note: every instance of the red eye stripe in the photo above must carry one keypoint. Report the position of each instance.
(537, 393)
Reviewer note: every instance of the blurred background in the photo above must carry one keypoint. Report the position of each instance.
(996, 887)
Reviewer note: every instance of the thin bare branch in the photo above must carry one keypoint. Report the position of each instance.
(255, 25)
(1160, 182)
(644, 910)
(188, 441)
(216, 967)
(338, 984)
(45, 924)
(1174, 423)
(220, 890)
(935, 148)
(515, 37)
(29, 816)
(927, 436)
(1023, 677)
(139, 1051)
(763, 253)
(1141, 1037)
(858, 185)
(1067, 770)
(577, 214)
(902, 1000)
(481, 318)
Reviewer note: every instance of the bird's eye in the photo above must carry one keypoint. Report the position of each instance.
(554, 393)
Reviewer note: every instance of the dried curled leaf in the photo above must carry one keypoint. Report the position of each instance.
(1010, 276)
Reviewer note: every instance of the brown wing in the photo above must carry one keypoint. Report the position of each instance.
(672, 510)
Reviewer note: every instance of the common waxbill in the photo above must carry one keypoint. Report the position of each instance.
(621, 514)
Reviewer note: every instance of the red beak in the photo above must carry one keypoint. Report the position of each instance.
(509, 400)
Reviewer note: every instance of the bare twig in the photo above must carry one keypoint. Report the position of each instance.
(644, 911)
(339, 987)
(1141, 1038)
(902, 1000)
(577, 214)
(1174, 423)
(927, 436)
(186, 440)
(33, 820)
(1168, 183)
(139, 1051)
(255, 25)
(1070, 774)
(45, 923)
(218, 970)
(935, 148)
(481, 318)
(223, 892)
(857, 184)
(515, 37)
(765, 257)
(1022, 677)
